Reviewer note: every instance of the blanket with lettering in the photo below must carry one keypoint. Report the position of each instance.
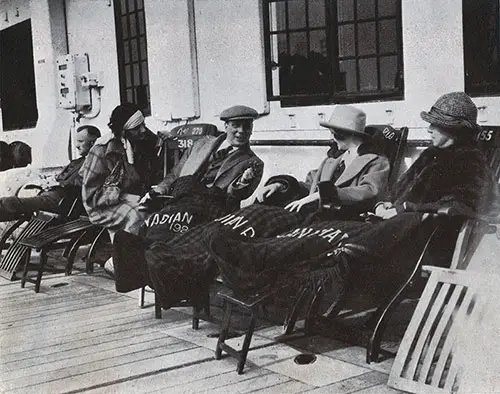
(320, 252)
(181, 267)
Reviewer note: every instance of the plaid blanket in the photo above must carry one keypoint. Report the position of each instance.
(181, 268)
(319, 252)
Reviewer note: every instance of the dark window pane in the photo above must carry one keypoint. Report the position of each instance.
(366, 9)
(347, 76)
(387, 36)
(296, 14)
(130, 96)
(481, 46)
(134, 50)
(317, 13)
(144, 68)
(388, 72)
(123, 7)
(277, 12)
(142, 46)
(17, 77)
(140, 19)
(140, 4)
(128, 76)
(298, 44)
(317, 40)
(366, 39)
(137, 74)
(346, 40)
(133, 26)
(131, 5)
(124, 27)
(387, 7)
(345, 10)
(368, 75)
(126, 52)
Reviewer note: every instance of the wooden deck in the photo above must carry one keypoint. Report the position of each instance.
(79, 335)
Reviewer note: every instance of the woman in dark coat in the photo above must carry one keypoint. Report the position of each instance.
(453, 173)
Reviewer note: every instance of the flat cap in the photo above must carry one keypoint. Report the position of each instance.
(238, 112)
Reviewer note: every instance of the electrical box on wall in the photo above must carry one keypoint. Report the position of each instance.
(72, 90)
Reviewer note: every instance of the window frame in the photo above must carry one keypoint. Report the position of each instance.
(120, 49)
(333, 96)
(478, 89)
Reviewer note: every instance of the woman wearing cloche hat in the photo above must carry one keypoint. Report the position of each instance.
(352, 177)
(453, 171)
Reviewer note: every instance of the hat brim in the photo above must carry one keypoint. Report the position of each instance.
(239, 118)
(438, 120)
(343, 130)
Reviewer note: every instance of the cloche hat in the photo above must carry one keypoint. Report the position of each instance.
(452, 110)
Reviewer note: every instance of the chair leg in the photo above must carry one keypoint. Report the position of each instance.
(246, 344)
(157, 306)
(196, 317)
(142, 297)
(72, 253)
(293, 315)
(27, 258)
(92, 251)
(312, 312)
(224, 329)
(41, 267)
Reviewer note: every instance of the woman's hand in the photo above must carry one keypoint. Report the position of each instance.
(385, 210)
(267, 191)
(298, 204)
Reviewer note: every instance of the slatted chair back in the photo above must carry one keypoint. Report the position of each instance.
(391, 142)
(17, 253)
(426, 361)
(181, 138)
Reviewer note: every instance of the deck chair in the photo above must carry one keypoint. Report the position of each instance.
(175, 143)
(432, 353)
(468, 233)
(390, 141)
(17, 253)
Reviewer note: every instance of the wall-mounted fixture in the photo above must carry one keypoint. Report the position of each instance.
(482, 114)
(17, 12)
(6, 16)
(293, 122)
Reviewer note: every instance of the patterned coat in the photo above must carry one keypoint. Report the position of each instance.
(112, 187)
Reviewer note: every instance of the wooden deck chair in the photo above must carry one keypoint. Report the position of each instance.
(175, 143)
(17, 253)
(468, 237)
(69, 236)
(390, 141)
(427, 360)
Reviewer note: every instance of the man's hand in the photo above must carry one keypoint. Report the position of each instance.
(296, 206)
(145, 199)
(247, 175)
(267, 191)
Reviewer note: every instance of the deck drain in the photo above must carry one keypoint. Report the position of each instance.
(304, 358)
(60, 284)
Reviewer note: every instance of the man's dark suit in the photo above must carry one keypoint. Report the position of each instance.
(197, 159)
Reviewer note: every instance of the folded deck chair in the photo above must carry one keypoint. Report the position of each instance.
(17, 253)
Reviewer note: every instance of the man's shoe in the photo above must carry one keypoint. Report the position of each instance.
(109, 267)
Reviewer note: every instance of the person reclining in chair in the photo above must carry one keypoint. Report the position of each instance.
(353, 178)
(67, 183)
(211, 178)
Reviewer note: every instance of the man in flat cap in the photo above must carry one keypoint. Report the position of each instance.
(225, 162)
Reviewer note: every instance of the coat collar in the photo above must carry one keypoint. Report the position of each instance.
(234, 157)
(355, 167)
